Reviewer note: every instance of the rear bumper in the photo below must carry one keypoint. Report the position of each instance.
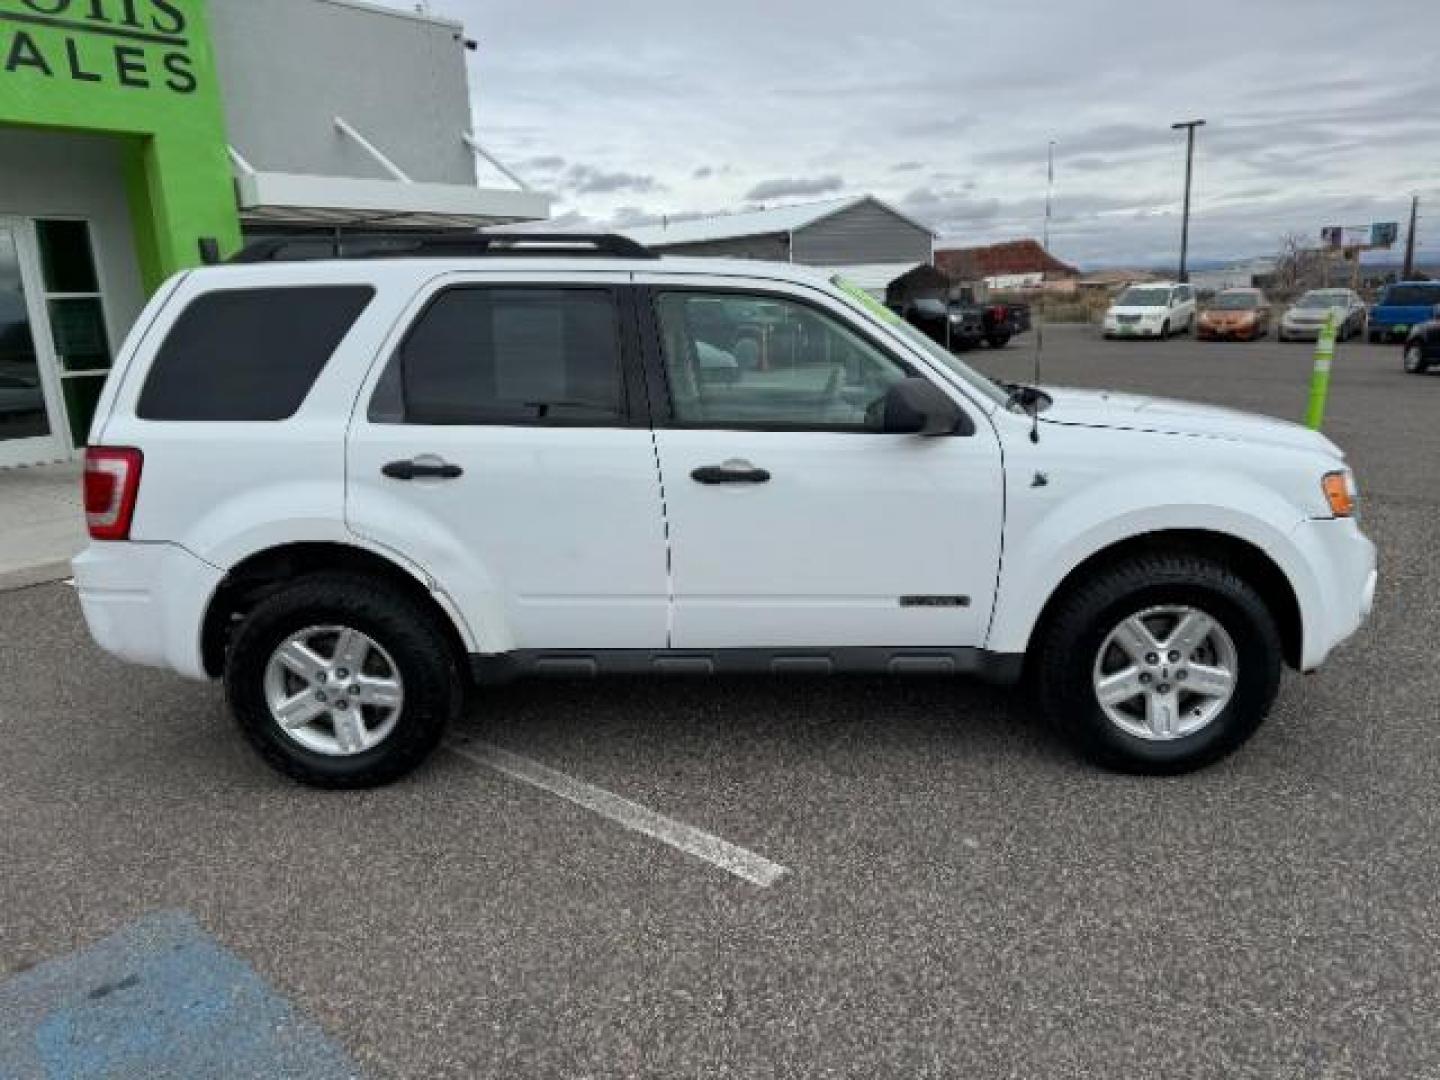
(1345, 565)
(145, 603)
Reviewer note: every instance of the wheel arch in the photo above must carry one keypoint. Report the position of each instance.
(265, 572)
(1252, 563)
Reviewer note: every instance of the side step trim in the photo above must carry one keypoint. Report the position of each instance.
(495, 668)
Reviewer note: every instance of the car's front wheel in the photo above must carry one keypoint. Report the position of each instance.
(342, 681)
(1415, 359)
(1160, 665)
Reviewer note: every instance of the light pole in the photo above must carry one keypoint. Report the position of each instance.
(1189, 127)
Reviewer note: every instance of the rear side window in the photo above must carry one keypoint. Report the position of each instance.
(508, 355)
(249, 354)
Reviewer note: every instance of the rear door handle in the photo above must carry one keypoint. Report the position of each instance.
(732, 472)
(427, 467)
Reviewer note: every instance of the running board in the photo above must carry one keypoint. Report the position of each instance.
(494, 668)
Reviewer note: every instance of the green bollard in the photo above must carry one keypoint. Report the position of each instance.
(1320, 378)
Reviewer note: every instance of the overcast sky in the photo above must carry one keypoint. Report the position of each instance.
(1320, 112)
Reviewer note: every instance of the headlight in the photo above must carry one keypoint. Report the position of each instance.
(1339, 489)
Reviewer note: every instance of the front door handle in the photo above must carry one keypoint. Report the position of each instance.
(427, 467)
(732, 472)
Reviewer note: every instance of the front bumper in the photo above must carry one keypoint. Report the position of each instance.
(146, 603)
(1391, 333)
(1226, 333)
(1127, 330)
(1344, 562)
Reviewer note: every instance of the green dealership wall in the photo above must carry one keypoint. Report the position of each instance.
(142, 70)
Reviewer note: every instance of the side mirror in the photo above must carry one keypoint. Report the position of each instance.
(915, 406)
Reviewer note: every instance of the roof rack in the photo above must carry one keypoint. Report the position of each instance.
(440, 245)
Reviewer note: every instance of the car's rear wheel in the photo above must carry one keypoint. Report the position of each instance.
(1160, 665)
(342, 681)
(998, 341)
(1165, 330)
(1415, 362)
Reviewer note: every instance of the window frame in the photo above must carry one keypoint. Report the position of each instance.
(633, 411)
(657, 374)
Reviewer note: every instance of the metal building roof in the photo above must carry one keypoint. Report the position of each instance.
(776, 219)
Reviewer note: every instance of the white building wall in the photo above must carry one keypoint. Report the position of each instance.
(62, 174)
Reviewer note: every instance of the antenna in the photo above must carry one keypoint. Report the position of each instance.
(1045, 245)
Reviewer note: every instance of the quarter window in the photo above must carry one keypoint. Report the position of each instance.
(249, 354)
(508, 356)
(736, 360)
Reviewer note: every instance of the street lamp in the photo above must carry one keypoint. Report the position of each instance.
(1189, 126)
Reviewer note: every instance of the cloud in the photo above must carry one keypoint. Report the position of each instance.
(790, 187)
(586, 180)
(1303, 120)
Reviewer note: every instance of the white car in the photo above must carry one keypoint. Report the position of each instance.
(352, 487)
(1153, 310)
(1304, 319)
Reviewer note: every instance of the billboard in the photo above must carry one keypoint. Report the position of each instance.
(1382, 234)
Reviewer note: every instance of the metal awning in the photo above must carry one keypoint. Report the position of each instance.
(335, 200)
(296, 198)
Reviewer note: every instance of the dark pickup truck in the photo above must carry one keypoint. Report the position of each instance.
(964, 324)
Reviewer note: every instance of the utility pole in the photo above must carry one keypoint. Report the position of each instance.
(1409, 271)
(1189, 127)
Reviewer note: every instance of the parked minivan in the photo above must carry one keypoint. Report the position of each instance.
(1153, 310)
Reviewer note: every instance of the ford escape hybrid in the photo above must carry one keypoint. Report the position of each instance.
(356, 487)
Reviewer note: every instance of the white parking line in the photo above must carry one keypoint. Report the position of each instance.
(743, 864)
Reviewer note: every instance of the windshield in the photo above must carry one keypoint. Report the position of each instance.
(988, 388)
(1412, 295)
(1323, 300)
(1236, 301)
(1144, 298)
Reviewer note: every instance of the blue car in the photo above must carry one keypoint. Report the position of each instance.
(1402, 307)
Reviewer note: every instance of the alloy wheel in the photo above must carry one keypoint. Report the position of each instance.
(1165, 673)
(334, 690)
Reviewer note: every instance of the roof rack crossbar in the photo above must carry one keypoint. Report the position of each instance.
(440, 245)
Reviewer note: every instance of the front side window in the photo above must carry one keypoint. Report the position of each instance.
(736, 360)
(508, 355)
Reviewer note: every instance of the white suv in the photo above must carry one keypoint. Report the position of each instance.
(1156, 310)
(355, 487)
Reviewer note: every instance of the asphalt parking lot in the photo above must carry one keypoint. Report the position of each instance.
(959, 895)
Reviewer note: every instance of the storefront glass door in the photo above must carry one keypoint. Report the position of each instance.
(32, 424)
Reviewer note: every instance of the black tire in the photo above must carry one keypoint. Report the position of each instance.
(1165, 330)
(428, 667)
(998, 341)
(1074, 634)
(1415, 362)
(1374, 338)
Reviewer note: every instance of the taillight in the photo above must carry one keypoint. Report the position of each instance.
(112, 481)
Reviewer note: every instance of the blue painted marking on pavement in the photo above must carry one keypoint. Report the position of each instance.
(160, 999)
